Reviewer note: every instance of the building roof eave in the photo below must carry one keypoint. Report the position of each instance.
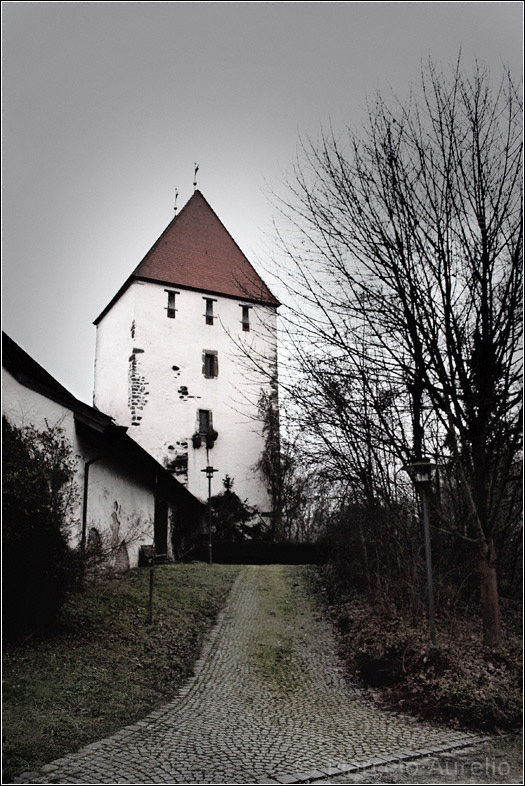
(100, 427)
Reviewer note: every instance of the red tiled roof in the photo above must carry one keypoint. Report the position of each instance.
(196, 251)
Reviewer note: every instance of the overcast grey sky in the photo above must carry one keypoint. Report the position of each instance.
(106, 107)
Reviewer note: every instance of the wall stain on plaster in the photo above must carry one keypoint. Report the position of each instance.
(184, 394)
(176, 460)
(115, 524)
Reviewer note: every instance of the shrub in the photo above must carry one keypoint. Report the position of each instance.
(461, 682)
(233, 519)
(38, 500)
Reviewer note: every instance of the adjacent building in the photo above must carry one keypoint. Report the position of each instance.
(125, 501)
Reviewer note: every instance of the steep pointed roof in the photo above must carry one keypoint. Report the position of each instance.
(197, 252)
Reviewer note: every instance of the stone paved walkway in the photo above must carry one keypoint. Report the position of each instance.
(268, 704)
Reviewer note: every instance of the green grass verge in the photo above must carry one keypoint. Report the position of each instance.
(104, 666)
(272, 650)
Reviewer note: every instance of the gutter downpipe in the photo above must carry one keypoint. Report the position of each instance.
(87, 465)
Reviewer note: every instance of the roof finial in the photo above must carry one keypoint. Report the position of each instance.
(195, 176)
(175, 203)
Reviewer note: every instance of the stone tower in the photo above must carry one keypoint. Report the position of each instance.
(187, 350)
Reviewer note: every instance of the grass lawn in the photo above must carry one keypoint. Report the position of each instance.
(104, 666)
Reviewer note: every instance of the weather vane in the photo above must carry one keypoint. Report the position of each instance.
(195, 176)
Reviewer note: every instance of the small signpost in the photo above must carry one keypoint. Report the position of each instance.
(209, 470)
(148, 555)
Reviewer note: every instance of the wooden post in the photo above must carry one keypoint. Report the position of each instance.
(149, 618)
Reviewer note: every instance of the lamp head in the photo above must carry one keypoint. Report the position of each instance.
(421, 471)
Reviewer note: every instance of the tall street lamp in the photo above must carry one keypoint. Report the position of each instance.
(421, 472)
(209, 470)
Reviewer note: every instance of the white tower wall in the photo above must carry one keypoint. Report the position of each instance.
(149, 377)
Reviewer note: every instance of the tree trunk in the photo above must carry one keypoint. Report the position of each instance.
(489, 596)
(365, 552)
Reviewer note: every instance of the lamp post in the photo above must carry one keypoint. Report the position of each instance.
(421, 473)
(209, 470)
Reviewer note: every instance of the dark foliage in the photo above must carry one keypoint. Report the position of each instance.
(232, 519)
(257, 552)
(38, 566)
(378, 549)
(460, 682)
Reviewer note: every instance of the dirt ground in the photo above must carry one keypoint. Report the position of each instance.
(500, 761)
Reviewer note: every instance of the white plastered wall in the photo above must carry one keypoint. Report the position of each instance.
(160, 391)
(120, 507)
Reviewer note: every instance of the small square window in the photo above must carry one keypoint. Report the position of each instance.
(210, 366)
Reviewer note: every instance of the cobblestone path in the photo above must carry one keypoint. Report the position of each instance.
(268, 704)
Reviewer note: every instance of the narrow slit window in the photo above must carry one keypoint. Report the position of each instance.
(210, 364)
(245, 317)
(209, 311)
(170, 308)
(204, 422)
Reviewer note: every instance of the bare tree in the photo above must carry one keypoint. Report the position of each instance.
(405, 244)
